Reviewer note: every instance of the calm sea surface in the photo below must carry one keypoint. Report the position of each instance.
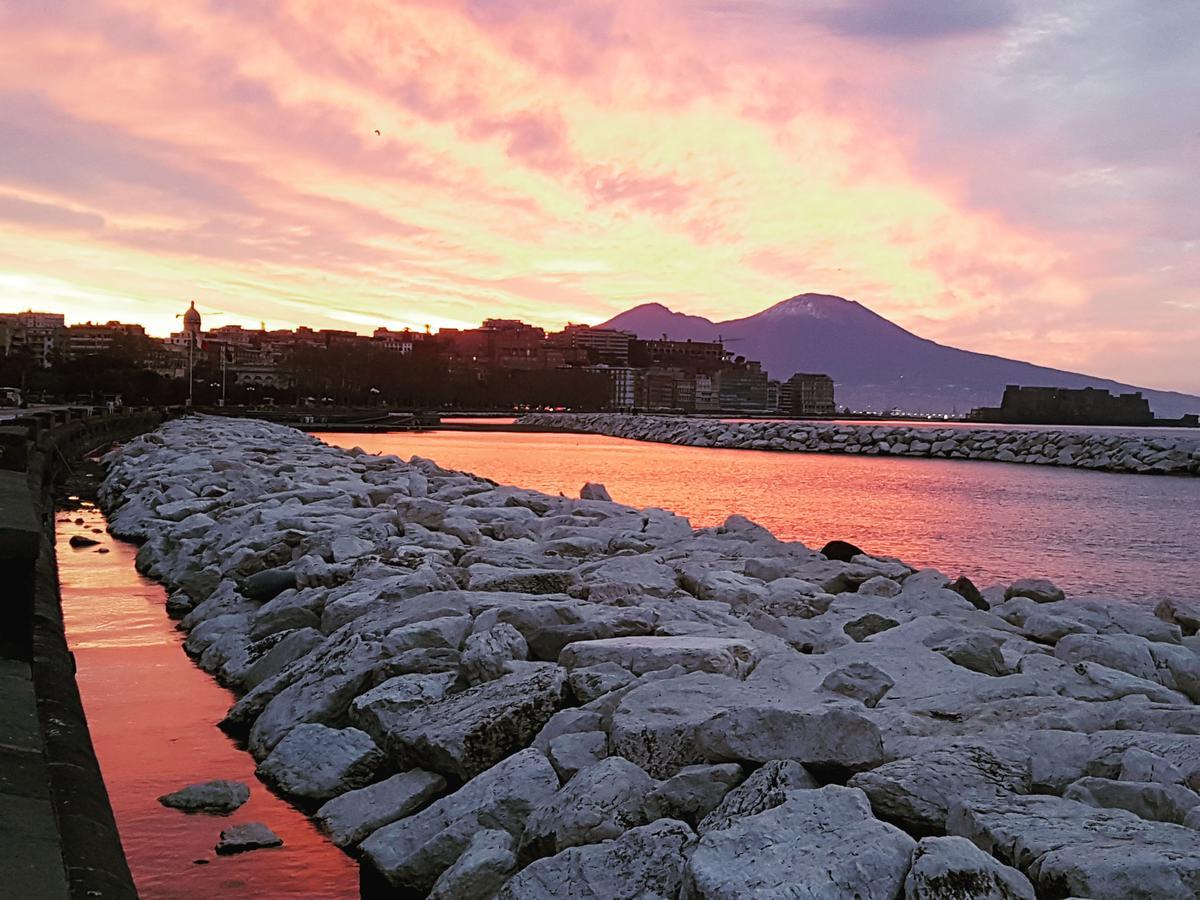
(153, 717)
(1132, 537)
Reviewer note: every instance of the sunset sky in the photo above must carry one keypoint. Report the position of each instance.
(1018, 177)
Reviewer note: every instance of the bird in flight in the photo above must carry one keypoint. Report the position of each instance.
(377, 131)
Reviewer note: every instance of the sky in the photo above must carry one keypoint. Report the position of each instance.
(1017, 177)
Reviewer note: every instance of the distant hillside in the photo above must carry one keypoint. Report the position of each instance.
(876, 364)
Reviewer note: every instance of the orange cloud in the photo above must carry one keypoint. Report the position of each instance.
(439, 162)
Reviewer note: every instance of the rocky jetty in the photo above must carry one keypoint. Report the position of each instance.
(489, 691)
(1076, 449)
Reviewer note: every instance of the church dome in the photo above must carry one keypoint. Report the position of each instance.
(191, 318)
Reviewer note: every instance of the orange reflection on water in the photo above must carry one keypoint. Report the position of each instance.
(153, 718)
(1126, 536)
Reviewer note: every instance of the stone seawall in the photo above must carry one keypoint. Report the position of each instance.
(490, 691)
(1081, 450)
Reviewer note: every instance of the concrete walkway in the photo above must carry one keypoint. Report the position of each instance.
(31, 865)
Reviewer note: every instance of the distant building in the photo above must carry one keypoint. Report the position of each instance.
(604, 345)
(806, 394)
(622, 381)
(1066, 406)
(87, 339)
(742, 387)
(37, 334)
(687, 354)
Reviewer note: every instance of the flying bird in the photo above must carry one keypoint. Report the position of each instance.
(377, 131)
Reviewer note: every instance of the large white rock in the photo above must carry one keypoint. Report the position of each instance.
(601, 802)
(463, 734)
(918, 791)
(376, 710)
(693, 792)
(412, 852)
(485, 653)
(944, 868)
(315, 762)
(817, 843)
(221, 797)
(1071, 849)
(354, 815)
(695, 653)
(481, 870)
(1148, 800)
(829, 736)
(766, 788)
(644, 863)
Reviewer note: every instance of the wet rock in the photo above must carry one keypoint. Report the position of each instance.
(481, 870)
(269, 584)
(820, 843)
(944, 868)
(82, 540)
(645, 862)
(463, 734)
(766, 788)
(601, 802)
(221, 797)
(965, 588)
(351, 817)
(594, 491)
(315, 762)
(864, 626)
(841, 551)
(413, 852)
(860, 681)
(246, 837)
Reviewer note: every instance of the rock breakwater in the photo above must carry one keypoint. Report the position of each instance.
(1145, 455)
(489, 691)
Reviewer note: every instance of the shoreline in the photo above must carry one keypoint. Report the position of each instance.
(1116, 453)
(461, 676)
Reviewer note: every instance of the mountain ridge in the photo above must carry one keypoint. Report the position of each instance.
(875, 363)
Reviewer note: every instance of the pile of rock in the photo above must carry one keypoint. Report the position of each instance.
(1080, 450)
(487, 690)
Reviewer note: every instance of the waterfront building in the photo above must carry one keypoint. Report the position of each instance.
(622, 381)
(807, 394)
(742, 387)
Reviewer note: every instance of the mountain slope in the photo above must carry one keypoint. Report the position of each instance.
(876, 364)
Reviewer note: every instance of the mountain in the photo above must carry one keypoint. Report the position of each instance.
(875, 363)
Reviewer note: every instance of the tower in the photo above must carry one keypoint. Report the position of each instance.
(191, 325)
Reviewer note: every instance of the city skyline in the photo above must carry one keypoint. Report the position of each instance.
(995, 176)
